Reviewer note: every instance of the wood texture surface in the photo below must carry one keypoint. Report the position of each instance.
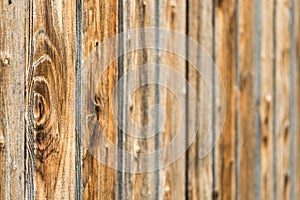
(50, 88)
(200, 171)
(45, 150)
(12, 126)
(246, 132)
(225, 22)
(100, 21)
(266, 100)
(282, 95)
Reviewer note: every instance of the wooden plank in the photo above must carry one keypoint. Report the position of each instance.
(50, 79)
(139, 14)
(266, 100)
(200, 171)
(225, 58)
(172, 178)
(246, 110)
(282, 105)
(12, 59)
(297, 98)
(100, 21)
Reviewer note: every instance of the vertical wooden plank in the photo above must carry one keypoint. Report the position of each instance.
(50, 79)
(282, 105)
(138, 14)
(297, 98)
(172, 178)
(246, 109)
(200, 176)
(12, 59)
(225, 56)
(100, 21)
(266, 100)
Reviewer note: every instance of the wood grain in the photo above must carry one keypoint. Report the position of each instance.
(173, 177)
(246, 108)
(297, 98)
(266, 101)
(139, 14)
(50, 74)
(12, 19)
(100, 21)
(256, 47)
(200, 171)
(225, 58)
(282, 104)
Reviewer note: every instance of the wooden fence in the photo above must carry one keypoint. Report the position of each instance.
(256, 47)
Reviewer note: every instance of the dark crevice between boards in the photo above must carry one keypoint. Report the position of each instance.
(120, 156)
(214, 170)
(187, 101)
(78, 133)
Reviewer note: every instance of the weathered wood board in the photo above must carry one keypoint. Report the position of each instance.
(48, 152)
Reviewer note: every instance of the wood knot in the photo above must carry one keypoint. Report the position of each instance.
(5, 61)
(44, 95)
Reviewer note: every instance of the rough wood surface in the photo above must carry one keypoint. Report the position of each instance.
(44, 149)
(282, 95)
(266, 100)
(245, 132)
(297, 98)
(200, 171)
(100, 21)
(12, 58)
(138, 14)
(225, 57)
(50, 78)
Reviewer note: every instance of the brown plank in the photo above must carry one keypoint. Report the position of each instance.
(266, 100)
(246, 124)
(225, 56)
(297, 98)
(50, 78)
(100, 20)
(200, 171)
(138, 14)
(282, 105)
(12, 59)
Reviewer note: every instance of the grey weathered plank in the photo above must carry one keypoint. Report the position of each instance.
(12, 59)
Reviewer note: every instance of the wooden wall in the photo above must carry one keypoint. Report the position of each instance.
(256, 47)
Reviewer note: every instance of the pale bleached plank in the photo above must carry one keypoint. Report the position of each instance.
(50, 83)
(266, 101)
(12, 59)
(282, 94)
(173, 177)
